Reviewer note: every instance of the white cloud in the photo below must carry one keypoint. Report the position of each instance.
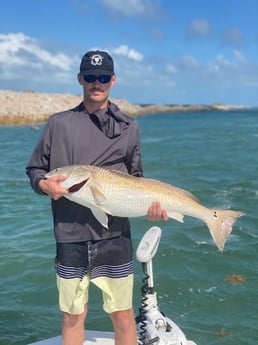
(221, 60)
(171, 69)
(131, 53)
(233, 36)
(24, 62)
(188, 62)
(19, 49)
(240, 56)
(200, 28)
(130, 8)
(9, 46)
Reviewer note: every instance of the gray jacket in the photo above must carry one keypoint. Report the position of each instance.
(106, 138)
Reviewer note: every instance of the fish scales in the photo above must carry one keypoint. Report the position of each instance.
(138, 193)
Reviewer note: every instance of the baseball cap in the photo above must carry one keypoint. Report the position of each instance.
(97, 62)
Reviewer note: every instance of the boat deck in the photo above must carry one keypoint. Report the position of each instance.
(93, 338)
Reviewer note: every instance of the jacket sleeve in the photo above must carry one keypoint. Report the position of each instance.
(38, 164)
(133, 159)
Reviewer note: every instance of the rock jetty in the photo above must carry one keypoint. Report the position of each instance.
(17, 108)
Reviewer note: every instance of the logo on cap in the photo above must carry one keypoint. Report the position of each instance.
(96, 60)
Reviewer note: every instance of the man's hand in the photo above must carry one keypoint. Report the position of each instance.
(156, 213)
(51, 187)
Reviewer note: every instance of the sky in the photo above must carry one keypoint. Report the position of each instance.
(164, 51)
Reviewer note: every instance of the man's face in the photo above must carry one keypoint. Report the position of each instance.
(95, 90)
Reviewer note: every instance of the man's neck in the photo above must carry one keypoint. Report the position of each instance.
(94, 106)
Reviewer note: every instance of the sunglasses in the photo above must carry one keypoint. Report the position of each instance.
(103, 79)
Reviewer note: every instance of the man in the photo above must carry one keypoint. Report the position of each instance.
(95, 132)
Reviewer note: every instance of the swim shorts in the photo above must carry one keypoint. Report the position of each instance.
(107, 263)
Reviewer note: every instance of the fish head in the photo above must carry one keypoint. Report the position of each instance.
(76, 176)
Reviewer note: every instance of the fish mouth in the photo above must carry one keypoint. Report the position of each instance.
(75, 187)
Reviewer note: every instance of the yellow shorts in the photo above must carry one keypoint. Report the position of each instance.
(107, 264)
(73, 293)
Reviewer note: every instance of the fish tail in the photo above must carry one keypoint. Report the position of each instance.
(220, 225)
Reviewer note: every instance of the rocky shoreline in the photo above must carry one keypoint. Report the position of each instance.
(17, 108)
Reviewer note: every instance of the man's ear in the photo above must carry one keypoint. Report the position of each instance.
(80, 78)
(113, 80)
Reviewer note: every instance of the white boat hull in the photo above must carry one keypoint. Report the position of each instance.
(93, 338)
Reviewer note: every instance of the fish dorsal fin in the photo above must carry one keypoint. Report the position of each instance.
(185, 192)
(191, 196)
(122, 174)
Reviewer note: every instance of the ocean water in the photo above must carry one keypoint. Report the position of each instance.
(213, 155)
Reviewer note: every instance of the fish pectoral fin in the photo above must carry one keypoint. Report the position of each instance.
(101, 216)
(99, 199)
(177, 216)
(98, 196)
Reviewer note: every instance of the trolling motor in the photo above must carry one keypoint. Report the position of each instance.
(153, 327)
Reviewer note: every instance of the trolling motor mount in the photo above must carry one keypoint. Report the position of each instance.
(153, 327)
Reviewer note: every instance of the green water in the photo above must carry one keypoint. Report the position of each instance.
(213, 155)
